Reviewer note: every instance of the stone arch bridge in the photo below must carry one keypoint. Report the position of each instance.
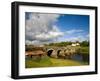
(61, 52)
(54, 51)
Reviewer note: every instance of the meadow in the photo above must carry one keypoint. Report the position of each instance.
(51, 62)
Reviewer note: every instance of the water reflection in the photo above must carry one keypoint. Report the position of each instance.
(77, 57)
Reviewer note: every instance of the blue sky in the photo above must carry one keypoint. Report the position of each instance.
(77, 24)
(67, 22)
(46, 28)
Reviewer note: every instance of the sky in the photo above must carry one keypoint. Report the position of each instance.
(44, 28)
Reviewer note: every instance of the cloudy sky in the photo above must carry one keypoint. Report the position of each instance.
(44, 28)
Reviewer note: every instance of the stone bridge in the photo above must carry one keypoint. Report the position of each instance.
(53, 51)
(62, 52)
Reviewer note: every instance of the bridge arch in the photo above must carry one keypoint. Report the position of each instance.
(61, 53)
(49, 52)
(58, 52)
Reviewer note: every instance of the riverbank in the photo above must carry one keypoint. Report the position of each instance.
(51, 62)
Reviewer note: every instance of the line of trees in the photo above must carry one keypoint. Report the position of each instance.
(32, 48)
(83, 43)
(60, 44)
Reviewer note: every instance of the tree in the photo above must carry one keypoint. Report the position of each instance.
(84, 43)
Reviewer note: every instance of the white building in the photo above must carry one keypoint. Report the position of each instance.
(75, 44)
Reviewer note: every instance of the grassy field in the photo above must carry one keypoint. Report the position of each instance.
(51, 62)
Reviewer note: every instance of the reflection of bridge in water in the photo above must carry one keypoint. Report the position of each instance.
(64, 52)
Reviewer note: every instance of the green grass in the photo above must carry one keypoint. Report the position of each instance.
(51, 62)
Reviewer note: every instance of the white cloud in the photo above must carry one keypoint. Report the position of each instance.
(49, 35)
(41, 28)
(78, 38)
(74, 31)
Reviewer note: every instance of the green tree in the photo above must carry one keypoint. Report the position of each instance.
(84, 43)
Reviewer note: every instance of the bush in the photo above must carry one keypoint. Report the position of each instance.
(84, 43)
